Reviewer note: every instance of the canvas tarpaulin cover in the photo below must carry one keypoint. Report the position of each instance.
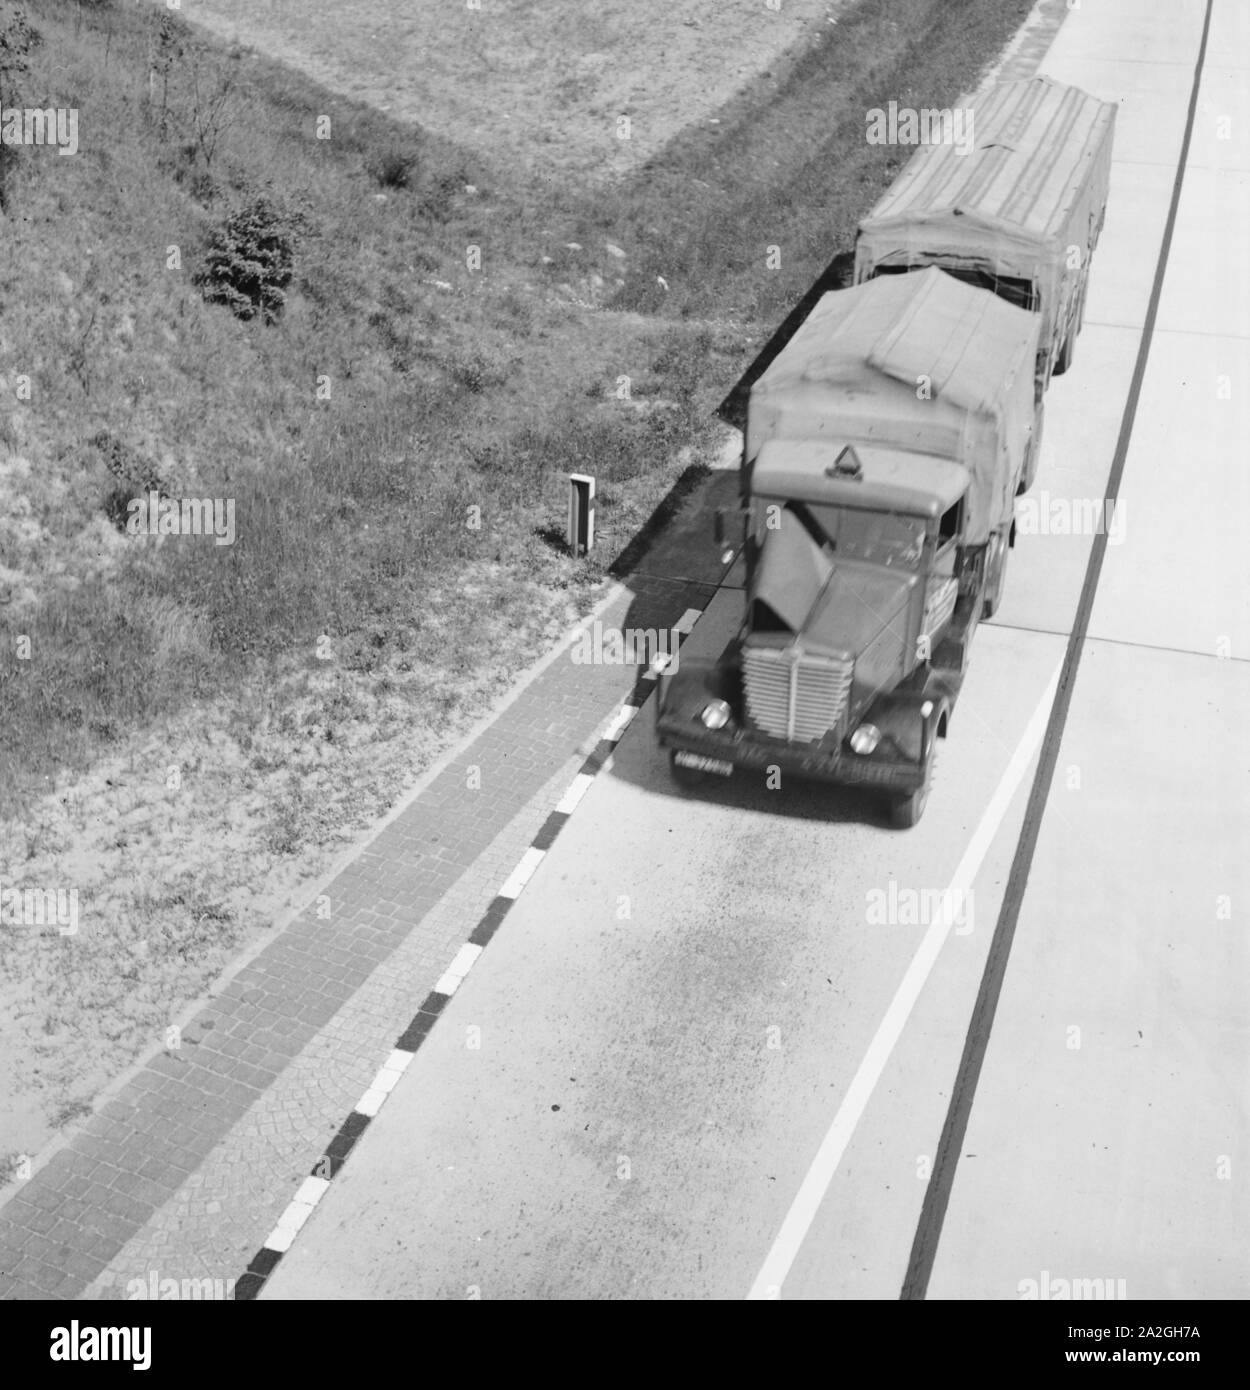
(916, 362)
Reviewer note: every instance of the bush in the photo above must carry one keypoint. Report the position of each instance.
(393, 167)
(182, 163)
(134, 475)
(18, 38)
(683, 365)
(473, 371)
(441, 192)
(251, 260)
(9, 159)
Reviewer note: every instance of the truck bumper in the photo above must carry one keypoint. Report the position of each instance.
(679, 728)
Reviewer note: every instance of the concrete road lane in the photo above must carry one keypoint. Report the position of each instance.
(621, 1098)
(1111, 1120)
(629, 1090)
(1109, 1132)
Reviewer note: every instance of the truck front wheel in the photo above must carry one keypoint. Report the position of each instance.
(1034, 456)
(905, 811)
(995, 576)
(1068, 350)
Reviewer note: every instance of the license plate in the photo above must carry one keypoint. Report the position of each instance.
(702, 764)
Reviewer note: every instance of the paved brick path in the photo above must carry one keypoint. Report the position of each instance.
(184, 1172)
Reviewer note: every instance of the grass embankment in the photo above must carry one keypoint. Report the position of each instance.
(451, 388)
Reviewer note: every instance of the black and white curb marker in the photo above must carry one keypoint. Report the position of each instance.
(315, 1186)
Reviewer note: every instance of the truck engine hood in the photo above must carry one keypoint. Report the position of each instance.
(833, 606)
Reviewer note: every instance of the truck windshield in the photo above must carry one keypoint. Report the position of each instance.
(881, 538)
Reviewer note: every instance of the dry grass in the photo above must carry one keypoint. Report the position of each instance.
(452, 388)
(529, 83)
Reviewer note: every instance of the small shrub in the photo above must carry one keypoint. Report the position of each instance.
(251, 260)
(167, 47)
(287, 830)
(393, 167)
(441, 191)
(399, 344)
(9, 160)
(133, 473)
(70, 1111)
(182, 163)
(683, 364)
(519, 311)
(178, 160)
(472, 371)
(202, 186)
(18, 39)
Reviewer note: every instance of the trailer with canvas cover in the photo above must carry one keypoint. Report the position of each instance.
(1017, 211)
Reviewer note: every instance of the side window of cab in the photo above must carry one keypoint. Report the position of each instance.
(947, 539)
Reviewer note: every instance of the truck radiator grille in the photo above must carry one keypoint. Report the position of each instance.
(792, 694)
(939, 604)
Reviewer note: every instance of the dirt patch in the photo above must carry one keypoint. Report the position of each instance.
(528, 81)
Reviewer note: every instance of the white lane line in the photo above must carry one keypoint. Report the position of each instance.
(578, 788)
(463, 961)
(522, 874)
(371, 1102)
(398, 1061)
(815, 1184)
(299, 1209)
(453, 977)
(685, 624)
(620, 722)
(311, 1191)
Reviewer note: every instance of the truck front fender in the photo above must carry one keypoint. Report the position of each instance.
(685, 694)
(899, 718)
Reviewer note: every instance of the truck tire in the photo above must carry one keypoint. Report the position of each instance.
(1028, 475)
(1068, 350)
(996, 574)
(905, 811)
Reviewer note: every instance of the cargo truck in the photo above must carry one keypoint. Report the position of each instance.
(883, 449)
(1019, 213)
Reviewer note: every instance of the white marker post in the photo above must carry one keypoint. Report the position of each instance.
(581, 532)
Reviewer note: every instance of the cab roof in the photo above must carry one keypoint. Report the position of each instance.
(860, 475)
(963, 341)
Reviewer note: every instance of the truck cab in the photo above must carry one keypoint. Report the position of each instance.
(854, 558)
(882, 454)
(855, 572)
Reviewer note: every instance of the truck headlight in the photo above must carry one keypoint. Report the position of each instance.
(716, 715)
(865, 739)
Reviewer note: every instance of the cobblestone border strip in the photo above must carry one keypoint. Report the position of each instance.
(116, 1176)
(308, 892)
(327, 1167)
